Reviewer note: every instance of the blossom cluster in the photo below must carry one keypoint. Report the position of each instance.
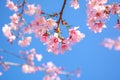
(55, 43)
(110, 43)
(75, 4)
(98, 11)
(30, 56)
(47, 29)
(52, 72)
(5, 67)
(44, 28)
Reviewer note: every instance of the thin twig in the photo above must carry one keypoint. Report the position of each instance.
(10, 63)
(11, 53)
(42, 68)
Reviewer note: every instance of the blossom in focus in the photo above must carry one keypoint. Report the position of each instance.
(98, 27)
(38, 26)
(11, 6)
(97, 13)
(52, 45)
(44, 38)
(75, 35)
(75, 4)
(65, 47)
(25, 42)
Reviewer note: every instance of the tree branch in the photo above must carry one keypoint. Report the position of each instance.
(22, 11)
(10, 53)
(10, 63)
(61, 13)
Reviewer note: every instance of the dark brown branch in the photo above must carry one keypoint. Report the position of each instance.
(21, 15)
(22, 11)
(61, 13)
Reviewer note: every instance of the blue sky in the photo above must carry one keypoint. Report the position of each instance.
(95, 61)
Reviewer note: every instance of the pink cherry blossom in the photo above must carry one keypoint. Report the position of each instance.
(97, 13)
(38, 26)
(65, 47)
(108, 43)
(27, 30)
(50, 67)
(13, 26)
(50, 23)
(40, 31)
(98, 26)
(30, 57)
(53, 48)
(41, 20)
(75, 4)
(38, 10)
(14, 18)
(11, 5)
(75, 35)
(117, 44)
(25, 42)
(28, 69)
(115, 9)
(52, 45)
(7, 32)
(33, 51)
(99, 7)
(31, 9)
(11, 38)
(38, 57)
(52, 71)
(44, 38)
